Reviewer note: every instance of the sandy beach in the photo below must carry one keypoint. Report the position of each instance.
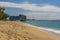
(12, 30)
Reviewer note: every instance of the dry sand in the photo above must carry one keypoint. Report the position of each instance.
(12, 30)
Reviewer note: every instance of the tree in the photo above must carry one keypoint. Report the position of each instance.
(22, 17)
(3, 15)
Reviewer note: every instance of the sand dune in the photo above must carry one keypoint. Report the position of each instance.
(12, 30)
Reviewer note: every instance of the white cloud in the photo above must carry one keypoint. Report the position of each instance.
(32, 7)
(43, 16)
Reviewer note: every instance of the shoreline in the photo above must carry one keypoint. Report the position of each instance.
(50, 31)
(23, 31)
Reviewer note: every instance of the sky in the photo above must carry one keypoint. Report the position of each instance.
(33, 9)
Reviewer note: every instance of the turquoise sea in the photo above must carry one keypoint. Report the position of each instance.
(50, 25)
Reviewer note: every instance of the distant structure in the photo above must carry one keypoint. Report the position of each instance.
(16, 18)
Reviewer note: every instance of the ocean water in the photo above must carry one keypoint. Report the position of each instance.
(50, 25)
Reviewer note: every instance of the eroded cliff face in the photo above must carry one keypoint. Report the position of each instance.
(11, 30)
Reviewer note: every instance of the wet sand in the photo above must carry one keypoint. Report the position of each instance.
(12, 30)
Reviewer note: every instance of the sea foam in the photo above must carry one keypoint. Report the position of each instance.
(47, 29)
